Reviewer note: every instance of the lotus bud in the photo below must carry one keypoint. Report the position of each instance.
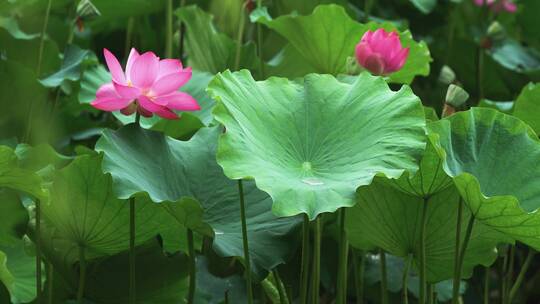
(455, 98)
(447, 75)
(381, 52)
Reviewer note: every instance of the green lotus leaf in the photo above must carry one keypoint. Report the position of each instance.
(18, 272)
(425, 6)
(212, 288)
(14, 177)
(311, 144)
(196, 192)
(527, 106)
(493, 160)
(83, 211)
(207, 49)
(12, 226)
(327, 37)
(390, 219)
(514, 56)
(70, 69)
(11, 26)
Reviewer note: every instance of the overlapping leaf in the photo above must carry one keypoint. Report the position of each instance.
(18, 272)
(327, 37)
(186, 176)
(493, 160)
(389, 216)
(311, 144)
(527, 106)
(83, 211)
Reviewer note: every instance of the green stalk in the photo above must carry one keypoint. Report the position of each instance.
(169, 29)
(192, 267)
(50, 282)
(240, 37)
(463, 249)
(132, 284)
(422, 255)
(82, 274)
(245, 242)
(430, 293)
(359, 276)
(38, 252)
(281, 289)
(316, 277)
(405, 279)
(384, 279)
(259, 45)
(510, 273)
(341, 287)
(182, 34)
(129, 36)
(521, 275)
(304, 267)
(486, 286)
(38, 74)
(457, 278)
(504, 281)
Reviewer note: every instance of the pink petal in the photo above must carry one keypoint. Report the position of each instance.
(106, 90)
(169, 66)
(133, 54)
(362, 52)
(110, 104)
(144, 70)
(509, 6)
(179, 101)
(166, 113)
(398, 61)
(144, 112)
(127, 91)
(375, 64)
(170, 83)
(114, 67)
(148, 104)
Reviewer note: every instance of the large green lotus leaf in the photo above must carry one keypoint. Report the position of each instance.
(96, 76)
(70, 69)
(389, 219)
(160, 279)
(311, 144)
(327, 37)
(13, 224)
(14, 177)
(18, 272)
(527, 106)
(493, 160)
(186, 176)
(83, 210)
(209, 50)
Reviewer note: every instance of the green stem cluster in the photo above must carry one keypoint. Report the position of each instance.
(245, 242)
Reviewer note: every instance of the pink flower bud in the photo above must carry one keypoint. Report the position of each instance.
(381, 52)
(498, 5)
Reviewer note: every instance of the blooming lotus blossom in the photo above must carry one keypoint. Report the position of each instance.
(498, 5)
(148, 85)
(381, 52)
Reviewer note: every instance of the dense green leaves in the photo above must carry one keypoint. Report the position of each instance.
(209, 50)
(14, 177)
(493, 160)
(187, 178)
(13, 226)
(326, 38)
(298, 143)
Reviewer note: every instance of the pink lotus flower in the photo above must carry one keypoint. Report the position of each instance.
(497, 6)
(381, 52)
(149, 86)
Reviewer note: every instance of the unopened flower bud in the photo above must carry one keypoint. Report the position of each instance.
(447, 75)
